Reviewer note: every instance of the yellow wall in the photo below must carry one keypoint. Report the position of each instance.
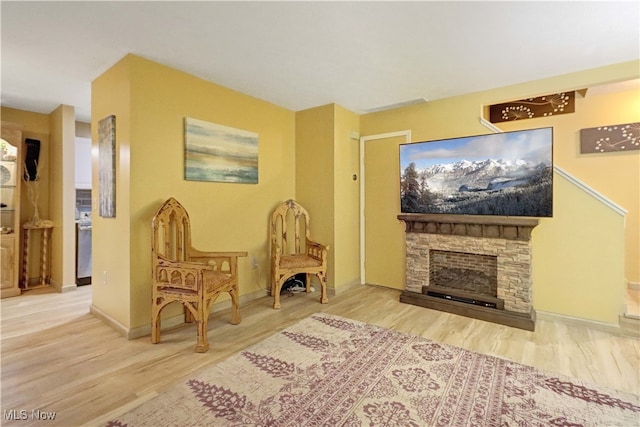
(347, 197)
(314, 176)
(460, 116)
(326, 159)
(111, 264)
(578, 257)
(62, 196)
(615, 175)
(150, 138)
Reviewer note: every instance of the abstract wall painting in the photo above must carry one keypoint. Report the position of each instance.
(605, 139)
(107, 166)
(218, 153)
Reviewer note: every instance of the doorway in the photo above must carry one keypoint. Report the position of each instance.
(381, 231)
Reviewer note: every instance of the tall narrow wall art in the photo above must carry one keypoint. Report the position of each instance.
(107, 166)
(220, 153)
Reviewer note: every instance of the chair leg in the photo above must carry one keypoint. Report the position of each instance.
(323, 288)
(235, 305)
(277, 285)
(201, 324)
(155, 324)
(276, 301)
(274, 280)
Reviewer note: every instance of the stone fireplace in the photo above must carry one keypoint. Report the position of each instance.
(475, 266)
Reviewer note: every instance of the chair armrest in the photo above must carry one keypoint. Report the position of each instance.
(164, 262)
(317, 245)
(217, 260)
(195, 253)
(317, 250)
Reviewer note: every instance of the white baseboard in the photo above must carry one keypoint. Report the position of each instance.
(611, 328)
(110, 321)
(67, 288)
(57, 286)
(345, 287)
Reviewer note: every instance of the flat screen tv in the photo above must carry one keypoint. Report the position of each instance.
(505, 174)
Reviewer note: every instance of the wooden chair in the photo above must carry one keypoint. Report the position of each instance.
(186, 275)
(302, 255)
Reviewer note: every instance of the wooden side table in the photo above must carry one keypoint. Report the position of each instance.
(44, 227)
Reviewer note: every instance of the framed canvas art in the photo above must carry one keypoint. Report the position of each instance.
(220, 153)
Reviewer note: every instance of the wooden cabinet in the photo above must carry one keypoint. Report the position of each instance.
(8, 274)
(83, 163)
(10, 184)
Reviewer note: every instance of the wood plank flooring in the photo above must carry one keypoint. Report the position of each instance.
(57, 357)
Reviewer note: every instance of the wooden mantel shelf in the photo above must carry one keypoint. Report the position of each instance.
(499, 227)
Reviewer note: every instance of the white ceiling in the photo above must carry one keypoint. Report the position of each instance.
(362, 55)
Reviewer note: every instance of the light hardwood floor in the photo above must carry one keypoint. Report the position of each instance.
(58, 357)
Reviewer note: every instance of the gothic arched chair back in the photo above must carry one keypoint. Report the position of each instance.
(293, 252)
(186, 275)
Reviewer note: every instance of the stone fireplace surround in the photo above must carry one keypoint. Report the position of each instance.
(505, 238)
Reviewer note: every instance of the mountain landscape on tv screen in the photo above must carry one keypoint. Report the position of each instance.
(484, 187)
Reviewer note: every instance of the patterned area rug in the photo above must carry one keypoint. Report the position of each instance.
(331, 371)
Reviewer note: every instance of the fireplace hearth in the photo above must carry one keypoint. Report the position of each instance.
(460, 296)
(474, 266)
